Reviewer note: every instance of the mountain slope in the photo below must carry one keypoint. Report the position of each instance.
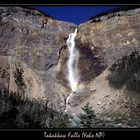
(31, 42)
(33, 59)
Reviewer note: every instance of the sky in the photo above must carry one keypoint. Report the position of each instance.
(74, 14)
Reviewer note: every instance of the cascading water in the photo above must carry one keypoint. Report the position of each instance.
(73, 76)
(74, 55)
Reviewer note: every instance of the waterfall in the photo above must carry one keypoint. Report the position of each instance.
(74, 55)
(73, 76)
(67, 102)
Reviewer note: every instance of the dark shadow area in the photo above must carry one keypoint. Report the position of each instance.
(61, 74)
(126, 72)
(19, 112)
(90, 65)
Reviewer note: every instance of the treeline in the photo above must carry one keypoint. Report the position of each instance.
(18, 112)
(96, 18)
(126, 72)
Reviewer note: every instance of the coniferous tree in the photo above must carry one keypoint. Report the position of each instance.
(88, 119)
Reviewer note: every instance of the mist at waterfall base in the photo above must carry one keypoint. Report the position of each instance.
(73, 73)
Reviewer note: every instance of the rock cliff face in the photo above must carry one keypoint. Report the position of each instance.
(113, 37)
(33, 48)
(32, 43)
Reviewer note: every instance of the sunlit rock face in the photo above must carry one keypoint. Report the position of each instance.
(38, 44)
(34, 41)
(108, 40)
(100, 44)
(112, 38)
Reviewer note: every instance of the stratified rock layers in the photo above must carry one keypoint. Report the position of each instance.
(35, 45)
(32, 42)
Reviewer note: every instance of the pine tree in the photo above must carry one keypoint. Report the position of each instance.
(88, 119)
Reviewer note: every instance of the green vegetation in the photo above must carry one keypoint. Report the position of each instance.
(18, 75)
(126, 72)
(18, 113)
(88, 119)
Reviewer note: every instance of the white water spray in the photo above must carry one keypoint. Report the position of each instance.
(73, 76)
(74, 55)
(67, 102)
